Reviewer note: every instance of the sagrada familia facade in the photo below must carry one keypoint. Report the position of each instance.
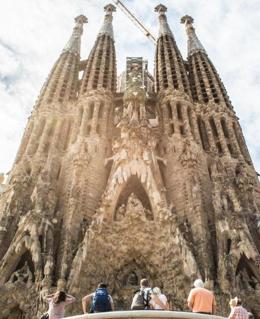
(148, 178)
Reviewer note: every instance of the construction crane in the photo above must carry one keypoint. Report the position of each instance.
(135, 20)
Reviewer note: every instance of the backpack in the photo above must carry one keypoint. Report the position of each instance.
(140, 302)
(101, 301)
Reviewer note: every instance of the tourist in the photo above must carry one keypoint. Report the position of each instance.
(201, 300)
(99, 300)
(232, 303)
(158, 300)
(237, 311)
(57, 303)
(142, 297)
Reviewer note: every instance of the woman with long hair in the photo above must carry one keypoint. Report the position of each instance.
(158, 300)
(57, 303)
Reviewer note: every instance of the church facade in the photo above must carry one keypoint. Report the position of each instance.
(152, 179)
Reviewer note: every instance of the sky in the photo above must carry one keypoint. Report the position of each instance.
(33, 33)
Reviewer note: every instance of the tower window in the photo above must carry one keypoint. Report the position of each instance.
(241, 142)
(224, 127)
(213, 127)
(171, 126)
(179, 112)
(88, 129)
(169, 109)
(203, 134)
(190, 121)
(91, 110)
(101, 110)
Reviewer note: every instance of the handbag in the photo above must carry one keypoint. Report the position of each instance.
(45, 316)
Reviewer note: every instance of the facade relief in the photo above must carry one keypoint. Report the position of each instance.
(153, 180)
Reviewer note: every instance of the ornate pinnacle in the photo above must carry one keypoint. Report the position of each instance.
(187, 20)
(81, 19)
(73, 45)
(109, 9)
(107, 25)
(161, 9)
(164, 28)
(194, 44)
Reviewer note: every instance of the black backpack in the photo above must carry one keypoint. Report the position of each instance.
(140, 301)
(101, 301)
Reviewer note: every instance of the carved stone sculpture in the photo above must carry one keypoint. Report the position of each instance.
(153, 181)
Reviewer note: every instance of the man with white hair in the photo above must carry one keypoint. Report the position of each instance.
(201, 300)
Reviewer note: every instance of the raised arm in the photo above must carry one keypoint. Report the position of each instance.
(214, 306)
(48, 298)
(190, 300)
(70, 299)
(85, 303)
(112, 306)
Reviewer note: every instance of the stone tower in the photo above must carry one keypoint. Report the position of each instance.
(153, 181)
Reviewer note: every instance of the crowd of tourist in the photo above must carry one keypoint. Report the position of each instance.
(200, 300)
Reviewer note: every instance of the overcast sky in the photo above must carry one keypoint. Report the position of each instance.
(33, 33)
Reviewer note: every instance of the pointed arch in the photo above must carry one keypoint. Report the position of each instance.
(16, 262)
(134, 185)
(23, 249)
(25, 259)
(247, 266)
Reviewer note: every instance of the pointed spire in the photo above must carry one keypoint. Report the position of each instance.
(107, 27)
(194, 44)
(169, 65)
(100, 71)
(205, 81)
(73, 45)
(164, 28)
(62, 82)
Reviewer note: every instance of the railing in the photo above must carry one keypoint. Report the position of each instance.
(139, 314)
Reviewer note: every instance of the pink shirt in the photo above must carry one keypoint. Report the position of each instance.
(56, 311)
(238, 312)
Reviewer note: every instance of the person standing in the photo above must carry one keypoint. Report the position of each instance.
(201, 300)
(237, 311)
(158, 300)
(100, 300)
(142, 297)
(57, 303)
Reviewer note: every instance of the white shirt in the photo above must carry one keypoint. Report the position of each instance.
(162, 298)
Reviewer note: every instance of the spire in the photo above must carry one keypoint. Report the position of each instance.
(100, 72)
(169, 67)
(194, 44)
(107, 27)
(164, 28)
(62, 82)
(205, 81)
(73, 45)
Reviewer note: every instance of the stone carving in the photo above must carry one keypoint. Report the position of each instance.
(22, 275)
(189, 157)
(134, 211)
(118, 186)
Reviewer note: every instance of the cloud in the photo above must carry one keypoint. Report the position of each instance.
(33, 33)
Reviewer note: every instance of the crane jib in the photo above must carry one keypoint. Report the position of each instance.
(131, 16)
